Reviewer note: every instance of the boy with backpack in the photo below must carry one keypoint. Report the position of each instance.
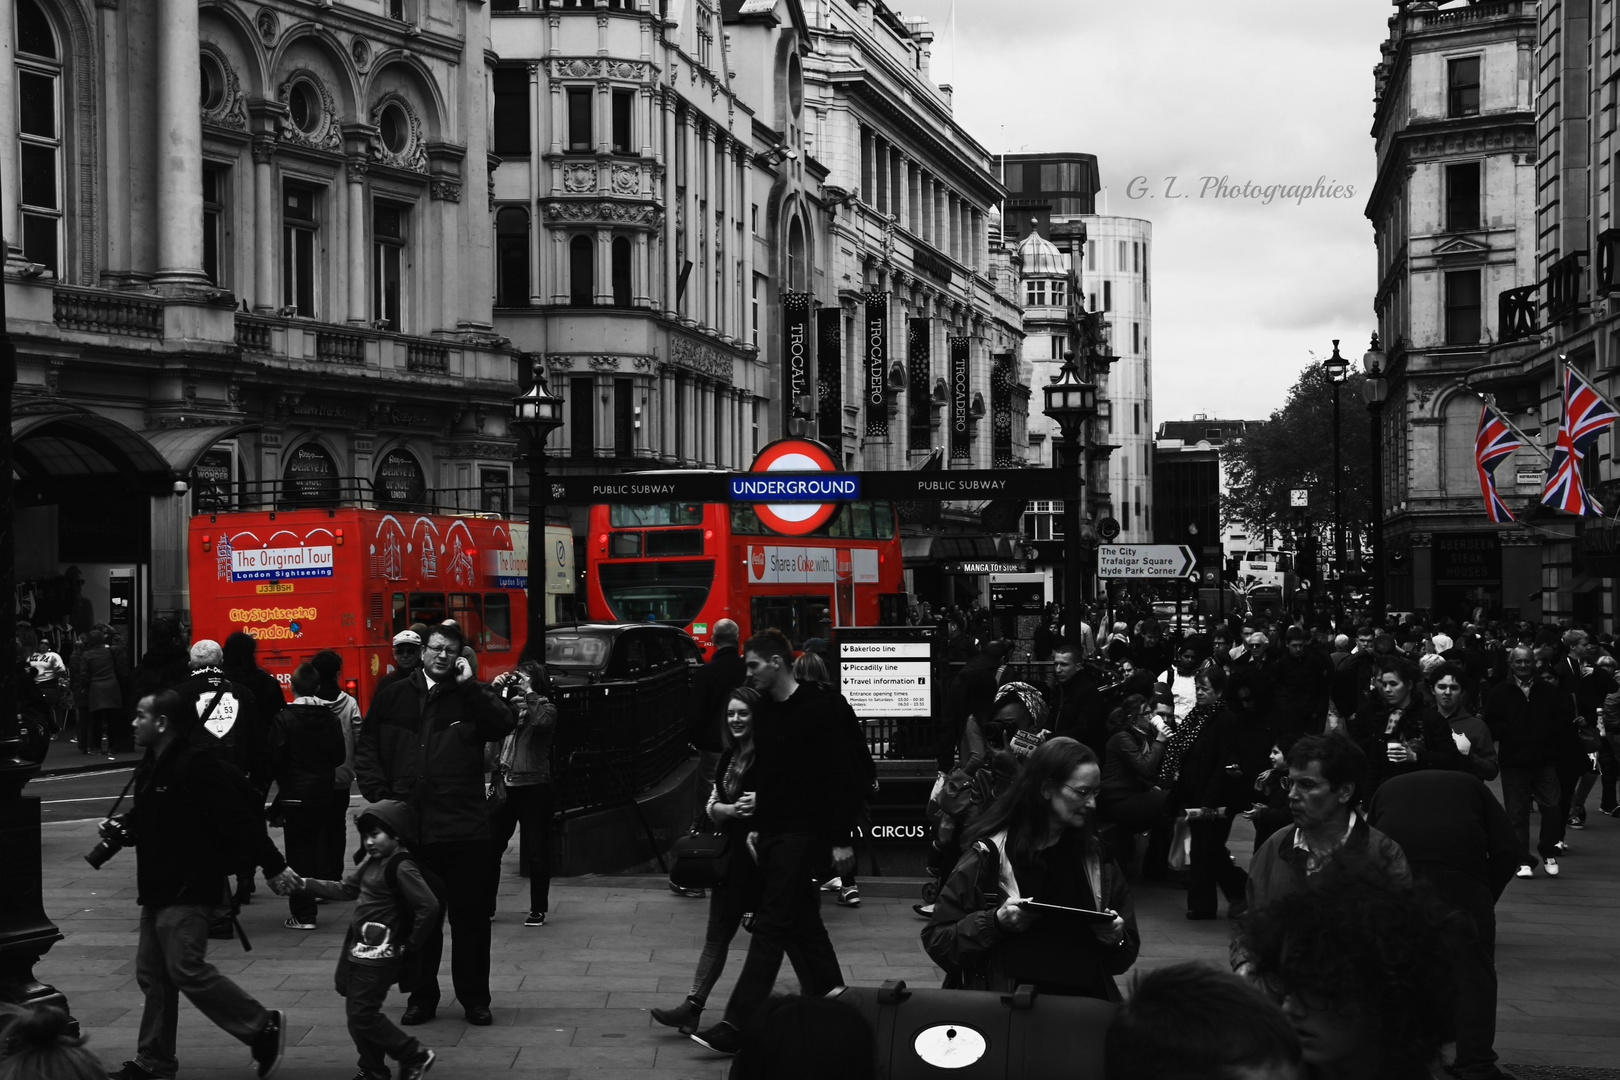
(397, 912)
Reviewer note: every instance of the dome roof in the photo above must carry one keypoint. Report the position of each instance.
(1041, 257)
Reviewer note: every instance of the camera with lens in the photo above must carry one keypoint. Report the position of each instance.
(115, 837)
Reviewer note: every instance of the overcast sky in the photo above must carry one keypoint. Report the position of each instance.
(1270, 92)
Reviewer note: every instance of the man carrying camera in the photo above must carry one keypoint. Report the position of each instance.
(422, 742)
(195, 819)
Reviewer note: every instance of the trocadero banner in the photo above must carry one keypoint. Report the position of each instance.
(875, 340)
(918, 335)
(961, 397)
(796, 355)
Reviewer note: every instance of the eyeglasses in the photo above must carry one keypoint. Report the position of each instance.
(1305, 785)
(1084, 794)
(432, 649)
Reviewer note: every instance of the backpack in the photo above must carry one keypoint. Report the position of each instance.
(990, 888)
(411, 974)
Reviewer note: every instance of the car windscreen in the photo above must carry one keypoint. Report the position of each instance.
(655, 590)
(575, 649)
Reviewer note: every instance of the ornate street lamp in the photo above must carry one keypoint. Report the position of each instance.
(1375, 390)
(1337, 369)
(1070, 402)
(537, 413)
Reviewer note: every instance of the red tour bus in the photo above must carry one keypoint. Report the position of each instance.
(693, 564)
(349, 579)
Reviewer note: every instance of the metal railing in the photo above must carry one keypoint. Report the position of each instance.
(330, 493)
(616, 740)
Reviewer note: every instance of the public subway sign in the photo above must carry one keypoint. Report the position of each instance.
(877, 361)
(262, 564)
(773, 564)
(961, 396)
(796, 319)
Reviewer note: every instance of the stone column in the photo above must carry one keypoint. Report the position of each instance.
(10, 218)
(671, 208)
(666, 411)
(641, 269)
(356, 173)
(537, 139)
(903, 190)
(559, 264)
(179, 147)
(604, 265)
(745, 316)
(706, 219)
(266, 294)
(446, 196)
(691, 218)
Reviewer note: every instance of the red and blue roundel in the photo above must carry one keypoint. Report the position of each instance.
(799, 456)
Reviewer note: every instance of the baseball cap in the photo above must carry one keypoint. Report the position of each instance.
(408, 637)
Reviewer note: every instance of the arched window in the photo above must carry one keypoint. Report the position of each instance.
(796, 270)
(621, 272)
(512, 257)
(582, 271)
(39, 133)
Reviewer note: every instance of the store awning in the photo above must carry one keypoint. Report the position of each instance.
(182, 448)
(54, 439)
(916, 550)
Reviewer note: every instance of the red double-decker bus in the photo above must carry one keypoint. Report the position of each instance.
(692, 564)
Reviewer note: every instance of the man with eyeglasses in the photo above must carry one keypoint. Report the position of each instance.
(422, 743)
(1326, 775)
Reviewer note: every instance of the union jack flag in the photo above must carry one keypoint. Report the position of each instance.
(1586, 414)
(1495, 441)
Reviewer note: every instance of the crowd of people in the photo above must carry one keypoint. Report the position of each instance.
(1364, 925)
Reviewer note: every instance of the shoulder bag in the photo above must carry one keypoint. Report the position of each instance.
(700, 860)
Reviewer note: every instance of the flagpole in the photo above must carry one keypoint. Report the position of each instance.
(1486, 398)
(1564, 359)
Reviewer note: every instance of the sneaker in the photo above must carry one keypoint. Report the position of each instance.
(1551, 866)
(832, 884)
(1612, 811)
(1525, 870)
(295, 923)
(269, 1044)
(1577, 820)
(414, 1070)
(536, 918)
(692, 894)
(925, 910)
(1563, 847)
(850, 897)
(132, 1071)
(722, 1039)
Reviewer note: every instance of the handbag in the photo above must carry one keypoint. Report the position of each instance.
(700, 860)
(495, 793)
(1591, 741)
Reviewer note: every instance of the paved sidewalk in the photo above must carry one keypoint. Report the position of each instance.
(571, 998)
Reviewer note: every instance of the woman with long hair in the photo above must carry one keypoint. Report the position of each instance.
(1036, 842)
(1208, 786)
(731, 806)
(1131, 797)
(524, 759)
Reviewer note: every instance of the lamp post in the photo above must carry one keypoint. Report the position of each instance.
(1375, 390)
(1071, 401)
(537, 413)
(1337, 369)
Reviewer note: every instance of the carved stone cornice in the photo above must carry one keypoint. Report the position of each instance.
(699, 356)
(598, 67)
(445, 190)
(606, 212)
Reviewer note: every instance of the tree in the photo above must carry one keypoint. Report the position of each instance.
(1294, 449)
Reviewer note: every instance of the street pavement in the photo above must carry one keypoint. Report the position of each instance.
(571, 999)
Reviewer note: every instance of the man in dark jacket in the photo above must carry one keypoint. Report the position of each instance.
(195, 818)
(1078, 711)
(242, 668)
(1458, 839)
(1300, 680)
(407, 658)
(422, 742)
(305, 746)
(236, 730)
(807, 799)
(1527, 715)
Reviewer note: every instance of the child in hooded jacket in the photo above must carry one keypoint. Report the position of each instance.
(373, 956)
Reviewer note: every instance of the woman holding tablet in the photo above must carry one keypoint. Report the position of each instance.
(1034, 899)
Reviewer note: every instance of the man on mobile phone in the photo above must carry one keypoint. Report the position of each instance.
(422, 742)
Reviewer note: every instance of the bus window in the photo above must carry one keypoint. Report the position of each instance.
(883, 524)
(744, 522)
(799, 617)
(668, 592)
(427, 607)
(401, 619)
(498, 622)
(468, 610)
(838, 527)
(624, 514)
(860, 520)
(675, 542)
(624, 545)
